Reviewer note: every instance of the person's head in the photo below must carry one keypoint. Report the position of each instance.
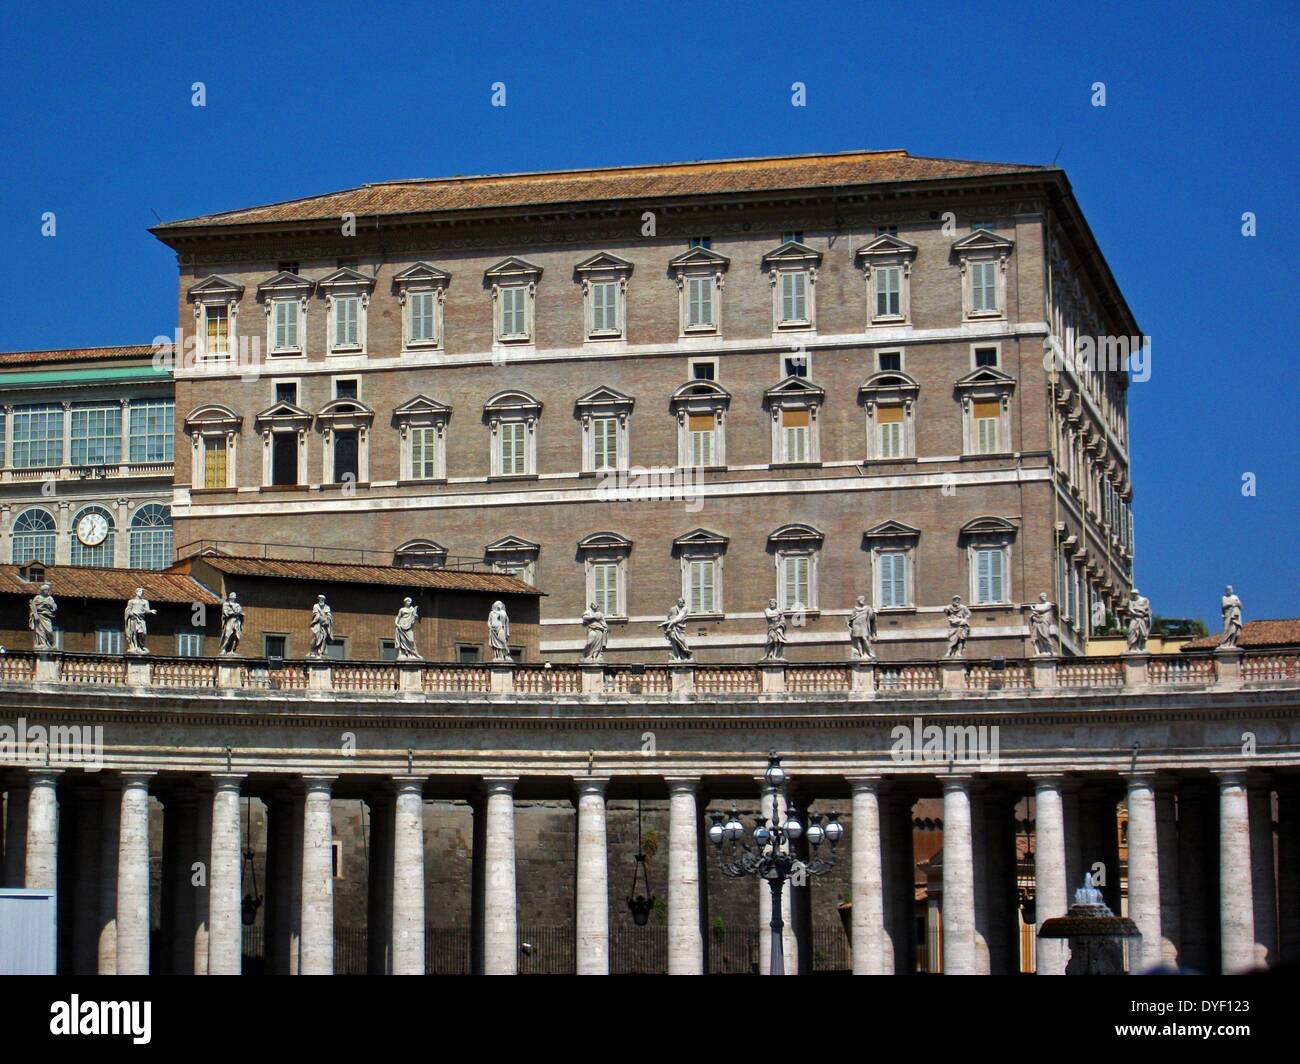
(498, 605)
(771, 604)
(1228, 590)
(139, 592)
(1135, 593)
(45, 589)
(681, 602)
(862, 600)
(956, 600)
(231, 596)
(406, 602)
(1042, 596)
(320, 599)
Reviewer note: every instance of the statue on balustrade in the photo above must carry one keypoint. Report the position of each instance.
(862, 629)
(404, 639)
(232, 625)
(958, 627)
(137, 609)
(40, 618)
(776, 639)
(597, 633)
(322, 628)
(1042, 625)
(675, 632)
(1139, 621)
(1231, 607)
(499, 632)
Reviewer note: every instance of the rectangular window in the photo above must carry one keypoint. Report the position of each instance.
(422, 304)
(108, 641)
(152, 430)
(701, 242)
(796, 366)
(702, 428)
(336, 649)
(216, 320)
(214, 462)
(286, 392)
(189, 644)
(284, 319)
(604, 443)
(704, 371)
(796, 576)
(795, 429)
(990, 574)
(424, 441)
(984, 286)
(345, 388)
(96, 434)
(988, 416)
(347, 459)
(513, 456)
(604, 588)
(986, 356)
(889, 431)
(886, 230)
(604, 307)
(275, 646)
(794, 297)
(514, 321)
(890, 361)
(889, 291)
(284, 458)
(892, 585)
(468, 655)
(38, 436)
(699, 302)
(347, 321)
(701, 596)
(387, 650)
(795, 237)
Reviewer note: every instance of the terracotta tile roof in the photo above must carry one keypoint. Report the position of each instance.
(390, 575)
(73, 581)
(1282, 633)
(117, 353)
(666, 180)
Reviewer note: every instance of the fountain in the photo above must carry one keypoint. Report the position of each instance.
(1096, 935)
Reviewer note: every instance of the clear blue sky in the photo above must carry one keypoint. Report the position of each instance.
(1200, 125)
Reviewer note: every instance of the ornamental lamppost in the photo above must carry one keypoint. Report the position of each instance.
(772, 855)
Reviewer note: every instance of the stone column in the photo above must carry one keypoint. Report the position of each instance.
(133, 875)
(42, 860)
(1198, 877)
(958, 879)
(789, 943)
(1288, 869)
(592, 886)
(317, 941)
(85, 881)
(110, 826)
(1167, 851)
(225, 935)
(1050, 891)
(1236, 915)
(178, 886)
(898, 882)
(500, 912)
(15, 867)
(1144, 871)
(685, 923)
(866, 876)
(1263, 880)
(408, 877)
(379, 901)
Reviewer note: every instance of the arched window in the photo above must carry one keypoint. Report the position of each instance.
(33, 538)
(91, 537)
(151, 537)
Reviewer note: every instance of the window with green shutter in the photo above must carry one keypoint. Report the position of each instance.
(794, 296)
(422, 305)
(990, 574)
(893, 579)
(699, 302)
(796, 575)
(701, 596)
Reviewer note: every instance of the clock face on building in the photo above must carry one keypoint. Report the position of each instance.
(92, 529)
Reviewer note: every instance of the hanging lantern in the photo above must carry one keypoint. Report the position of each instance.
(640, 905)
(252, 901)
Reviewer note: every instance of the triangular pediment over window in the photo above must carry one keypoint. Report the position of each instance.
(421, 274)
(892, 530)
(794, 391)
(701, 537)
(214, 289)
(346, 279)
(983, 240)
(605, 396)
(421, 406)
(886, 246)
(604, 262)
(986, 377)
(697, 257)
(513, 269)
(283, 414)
(284, 283)
(511, 544)
(988, 526)
(792, 253)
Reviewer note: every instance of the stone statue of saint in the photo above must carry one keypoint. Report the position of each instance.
(958, 627)
(499, 632)
(1042, 625)
(232, 624)
(862, 629)
(675, 632)
(1231, 607)
(1139, 621)
(775, 646)
(40, 618)
(322, 628)
(407, 618)
(137, 609)
(597, 633)
(1098, 615)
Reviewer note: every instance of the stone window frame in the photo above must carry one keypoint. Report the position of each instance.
(421, 412)
(345, 415)
(346, 282)
(985, 345)
(793, 257)
(285, 287)
(215, 291)
(702, 545)
(420, 548)
(212, 421)
(985, 385)
(514, 272)
(606, 547)
(604, 267)
(516, 555)
(700, 398)
(513, 406)
(794, 393)
(791, 541)
(598, 403)
(699, 262)
(988, 533)
(887, 251)
(276, 419)
(893, 537)
(422, 277)
(890, 388)
(983, 246)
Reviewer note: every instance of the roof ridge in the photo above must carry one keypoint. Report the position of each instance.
(76, 350)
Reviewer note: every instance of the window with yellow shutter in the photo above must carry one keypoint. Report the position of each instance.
(794, 432)
(214, 462)
(987, 415)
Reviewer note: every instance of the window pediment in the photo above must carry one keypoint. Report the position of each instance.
(604, 541)
(420, 552)
(796, 535)
(700, 395)
(701, 259)
(512, 402)
(701, 539)
(794, 391)
(214, 289)
(891, 530)
(212, 417)
(986, 379)
(283, 415)
(345, 280)
(421, 409)
(794, 255)
(285, 285)
(345, 414)
(512, 545)
(889, 384)
(513, 270)
(987, 527)
(983, 242)
(421, 275)
(604, 398)
(603, 263)
(885, 248)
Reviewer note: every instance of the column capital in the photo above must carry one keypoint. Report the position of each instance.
(318, 784)
(134, 778)
(1140, 778)
(963, 781)
(489, 785)
(591, 785)
(43, 775)
(1054, 780)
(863, 784)
(683, 784)
(227, 781)
(409, 784)
(1231, 777)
